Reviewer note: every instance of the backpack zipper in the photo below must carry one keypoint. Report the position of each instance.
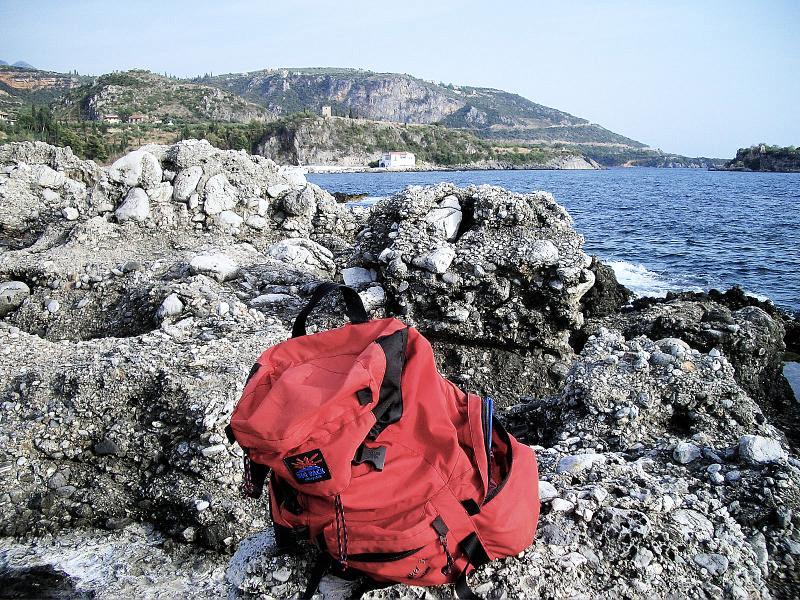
(441, 530)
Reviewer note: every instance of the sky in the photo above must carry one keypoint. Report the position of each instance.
(694, 78)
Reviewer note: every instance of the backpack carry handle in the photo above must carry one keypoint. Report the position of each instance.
(354, 307)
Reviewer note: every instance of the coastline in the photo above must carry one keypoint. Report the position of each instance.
(428, 168)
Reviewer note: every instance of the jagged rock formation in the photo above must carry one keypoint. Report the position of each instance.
(134, 299)
(494, 278)
(749, 332)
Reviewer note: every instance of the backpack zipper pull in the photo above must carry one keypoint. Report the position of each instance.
(441, 529)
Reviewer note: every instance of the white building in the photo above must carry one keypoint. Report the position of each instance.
(393, 160)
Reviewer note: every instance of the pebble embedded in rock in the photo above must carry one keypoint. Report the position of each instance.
(106, 447)
(685, 453)
(547, 491)
(561, 505)
(715, 564)
(437, 261)
(578, 462)
(70, 213)
(170, 307)
(758, 449)
(357, 276)
(218, 266)
(213, 450)
(12, 295)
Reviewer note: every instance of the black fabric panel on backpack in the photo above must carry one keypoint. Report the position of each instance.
(390, 401)
(354, 307)
(285, 495)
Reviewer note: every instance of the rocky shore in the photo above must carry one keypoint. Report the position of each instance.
(764, 158)
(135, 298)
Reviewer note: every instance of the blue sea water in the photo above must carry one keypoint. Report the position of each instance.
(660, 229)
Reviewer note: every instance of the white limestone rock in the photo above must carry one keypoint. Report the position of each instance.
(685, 452)
(47, 177)
(218, 266)
(256, 222)
(357, 277)
(12, 295)
(70, 213)
(373, 297)
(278, 190)
(547, 491)
(170, 307)
(138, 168)
(446, 219)
(185, 183)
(758, 450)
(136, 206)
(575, 463)
(303, 253)
(228, 220)
(219, 195)
(436, 261)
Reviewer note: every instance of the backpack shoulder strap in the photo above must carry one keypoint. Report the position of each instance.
(354, 307)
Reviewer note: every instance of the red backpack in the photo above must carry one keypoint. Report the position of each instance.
(384, 464)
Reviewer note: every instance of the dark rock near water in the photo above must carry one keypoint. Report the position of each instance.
(607, 296)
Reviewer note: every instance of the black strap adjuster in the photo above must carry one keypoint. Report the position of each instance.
(375, 456)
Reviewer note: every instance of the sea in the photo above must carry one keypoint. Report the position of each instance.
(659, 229)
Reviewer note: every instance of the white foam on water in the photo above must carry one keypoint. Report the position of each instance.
(640, 280)
(369, 200)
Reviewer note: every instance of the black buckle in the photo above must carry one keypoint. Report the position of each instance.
(375, 456)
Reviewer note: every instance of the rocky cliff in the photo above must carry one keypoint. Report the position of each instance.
(407, 99)
(134, 299)
(765, 158)
(344, 142)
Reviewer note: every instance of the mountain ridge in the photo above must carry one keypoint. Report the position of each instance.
(496, 116)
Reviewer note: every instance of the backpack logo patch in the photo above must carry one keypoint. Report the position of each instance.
(308, 467)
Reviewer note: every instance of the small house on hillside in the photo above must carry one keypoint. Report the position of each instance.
(326, 111)
(137, 118)
(3, 116)
(112, 118)
(392, 160)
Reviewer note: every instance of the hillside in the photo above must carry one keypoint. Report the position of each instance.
(765, 158)
(157, 97)
(405, 99)
(305, 139)
(522, 131)
(30, 86)
(490, 114)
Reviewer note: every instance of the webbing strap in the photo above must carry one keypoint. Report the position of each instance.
(476, 556)
(389, 408)
(354, 307)
(321, 567)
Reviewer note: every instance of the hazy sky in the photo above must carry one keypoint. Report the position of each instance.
(696, 78)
